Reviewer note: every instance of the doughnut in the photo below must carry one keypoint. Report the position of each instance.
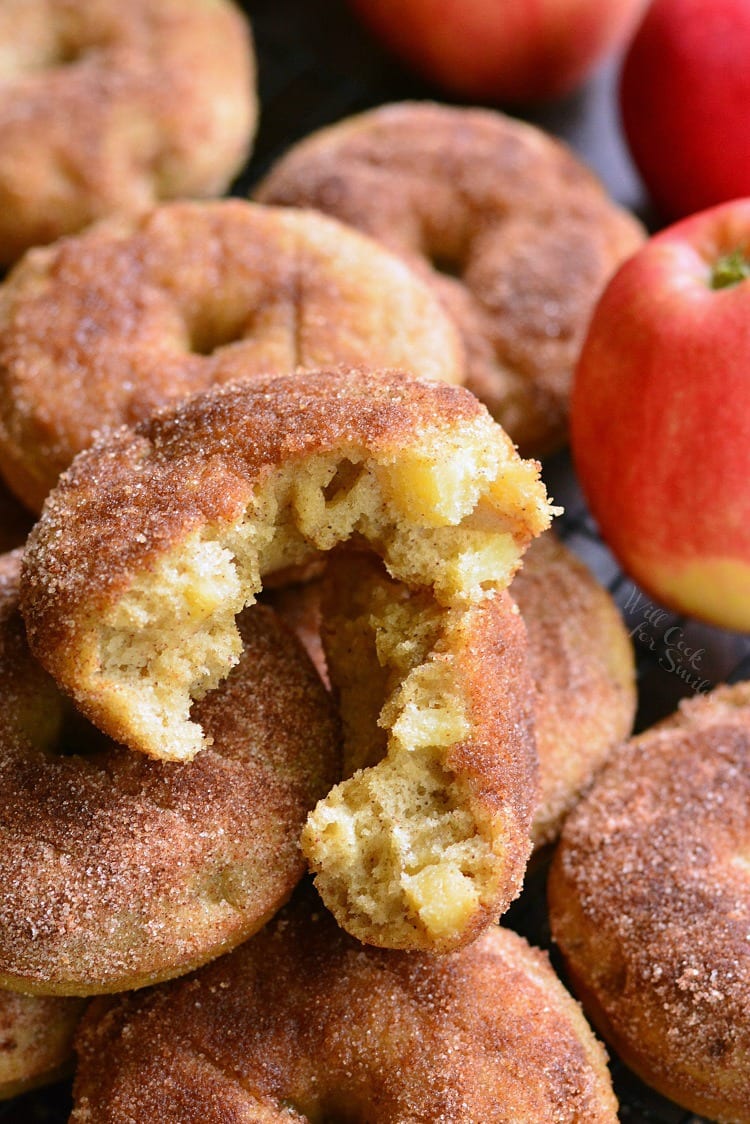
(456, 853)
(581, 660)
(304, 1024)
(650, 904)
(36, 1040)
(118, 870)
(149, 310)
(157, 537)
(108, 107)
(516, 236)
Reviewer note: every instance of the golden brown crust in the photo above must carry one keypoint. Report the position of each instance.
(36, 1040)
(516, 235)
(650, 906)
(117, 870)
(302, 1023)
(186, 297)
(581, 660)
(161, 95)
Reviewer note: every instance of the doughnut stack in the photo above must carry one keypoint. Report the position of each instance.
(297, 680)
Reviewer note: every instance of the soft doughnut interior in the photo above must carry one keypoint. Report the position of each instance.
(403, 842)
(452, 512)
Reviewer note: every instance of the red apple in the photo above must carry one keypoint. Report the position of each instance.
(660, 416)
(685, 102)
(501, 50)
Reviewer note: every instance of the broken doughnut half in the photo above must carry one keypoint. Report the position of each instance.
(426, 841)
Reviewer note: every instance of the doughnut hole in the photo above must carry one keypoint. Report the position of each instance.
(211, 335)
(68, 54)
(448, 247)
(448, 266)
(443, 514)
(74, 49)
(76, 737)
(38, 38)
(29, 43)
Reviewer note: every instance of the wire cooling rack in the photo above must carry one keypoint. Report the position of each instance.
(315, 66)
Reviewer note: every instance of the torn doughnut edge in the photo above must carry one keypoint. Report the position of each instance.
(421, 846)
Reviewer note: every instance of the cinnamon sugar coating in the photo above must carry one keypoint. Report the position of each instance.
(650, 905)
(582, 663)
(108, 107)
(185, 297)
(302, 1023)
(516, 236)
(118, 871)
(36, 1040)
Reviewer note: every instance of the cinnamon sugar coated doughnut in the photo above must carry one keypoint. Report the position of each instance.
(190, 295)
(109, 106)
(516, 236)
(582, 663)
(36, 1040)
(448, 763)
(304, 1024)
(117, 870)
(156, 538)
(650, 904)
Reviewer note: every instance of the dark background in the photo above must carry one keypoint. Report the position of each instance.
(317, 65)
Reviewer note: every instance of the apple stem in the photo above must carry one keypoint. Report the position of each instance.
(729, 270)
